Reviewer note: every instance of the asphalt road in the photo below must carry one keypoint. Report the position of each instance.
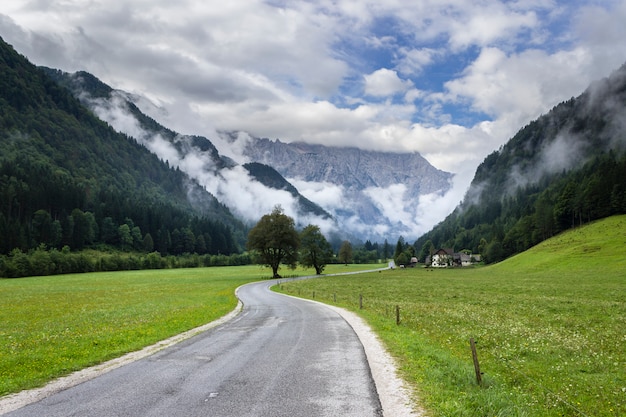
(280, 356)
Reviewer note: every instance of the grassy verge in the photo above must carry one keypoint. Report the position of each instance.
(550, 327)
(51, 326)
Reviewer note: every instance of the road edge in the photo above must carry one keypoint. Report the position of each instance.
(12, 402)
(394, 396)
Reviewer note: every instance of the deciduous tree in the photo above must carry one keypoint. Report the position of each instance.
(275, 240)
(345, 252)
(315, 251)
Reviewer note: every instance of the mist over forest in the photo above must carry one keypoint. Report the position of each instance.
(70, 179)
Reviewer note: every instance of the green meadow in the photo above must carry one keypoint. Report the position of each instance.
(549, 327)
(549, 324)
(53, 325)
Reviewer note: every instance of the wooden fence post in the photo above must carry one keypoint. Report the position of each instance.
(360, 301)
(479, 378)
(397, 315)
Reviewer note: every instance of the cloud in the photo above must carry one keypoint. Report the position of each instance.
(414, 61)
(385, 82)
(451, 79)
(558, 155)
(327, 195)
(493, 22)
(512, 86)
(234, 187)
(248, 198)
(391, 202)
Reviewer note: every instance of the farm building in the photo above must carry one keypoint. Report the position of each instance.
(446, 257)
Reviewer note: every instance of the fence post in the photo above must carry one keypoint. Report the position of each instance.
(313, 294)
(397, 315)
(360, 301)
(335, 297)
(479, 378)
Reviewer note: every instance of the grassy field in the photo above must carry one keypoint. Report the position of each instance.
(51, 326)
(550, 327)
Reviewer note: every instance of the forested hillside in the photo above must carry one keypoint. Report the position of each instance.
(68, 179)
(89, 89)
(109, 104)
(564, 169)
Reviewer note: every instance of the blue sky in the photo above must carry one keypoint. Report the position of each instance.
(392, 75)
(450, 79)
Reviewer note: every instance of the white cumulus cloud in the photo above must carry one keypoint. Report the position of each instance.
(385, 82)
(451, 79)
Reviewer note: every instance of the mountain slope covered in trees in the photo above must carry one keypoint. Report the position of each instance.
(68, 179)
(119, 109)
(355, 181)
(564, 169)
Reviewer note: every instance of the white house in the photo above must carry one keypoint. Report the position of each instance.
(443, 258)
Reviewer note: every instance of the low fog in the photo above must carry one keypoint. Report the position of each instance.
(570, 135)
(399, 211)
(246, 198)
(400, 214)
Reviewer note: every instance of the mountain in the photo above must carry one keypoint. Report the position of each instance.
(358, 182)
(354, 168)
(357, 171)
(69, 179)
(119, 108)
(564, 169)
(195, 155)
(376, 194)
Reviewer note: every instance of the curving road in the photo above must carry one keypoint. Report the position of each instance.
(280, 356)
